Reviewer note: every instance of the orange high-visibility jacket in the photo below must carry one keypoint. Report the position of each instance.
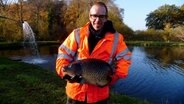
(75, 47)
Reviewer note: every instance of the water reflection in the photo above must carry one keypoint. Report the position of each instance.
(167, 56)
(155, 75)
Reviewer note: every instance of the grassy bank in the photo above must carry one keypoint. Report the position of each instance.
(22, 83)
(154, 43)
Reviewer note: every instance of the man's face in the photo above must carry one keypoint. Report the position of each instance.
(97, 16)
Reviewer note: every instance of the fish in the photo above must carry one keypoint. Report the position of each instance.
(92, 71)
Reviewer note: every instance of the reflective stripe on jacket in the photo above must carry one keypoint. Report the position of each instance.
(75, 47)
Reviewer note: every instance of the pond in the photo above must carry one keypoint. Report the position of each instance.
(45, 58)
(156, 73)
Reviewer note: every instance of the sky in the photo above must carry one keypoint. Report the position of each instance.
(136, 11)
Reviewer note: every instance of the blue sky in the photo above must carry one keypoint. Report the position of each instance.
(136, 10)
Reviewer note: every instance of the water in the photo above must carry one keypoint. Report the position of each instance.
(156, 74)
(31, 45)
(46, 59)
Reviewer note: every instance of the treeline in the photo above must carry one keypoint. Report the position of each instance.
(55, 19)
(164, 24)
(51, 19)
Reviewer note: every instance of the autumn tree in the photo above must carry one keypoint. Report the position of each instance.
(35, 13)
(53, 19)
(10, 24)
(45, 18)
(56, 27)
(74, 10)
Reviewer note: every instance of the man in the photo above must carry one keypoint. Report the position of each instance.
(97, 39)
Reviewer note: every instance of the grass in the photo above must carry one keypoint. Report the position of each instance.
(22, 83)
(154, 43)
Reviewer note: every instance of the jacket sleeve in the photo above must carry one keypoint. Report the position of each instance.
(123, 60)
(66, 53)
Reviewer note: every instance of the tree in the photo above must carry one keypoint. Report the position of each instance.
(35, 12)
(75, 10)
(116, 15)
(10, 20)
(178, 32)
(182, 13)
(56, 26)
(165, 15)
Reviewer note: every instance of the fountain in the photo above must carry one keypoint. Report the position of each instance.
(30, 44)
(29, 39)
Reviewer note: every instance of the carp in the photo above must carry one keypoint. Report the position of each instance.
(92, 71)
